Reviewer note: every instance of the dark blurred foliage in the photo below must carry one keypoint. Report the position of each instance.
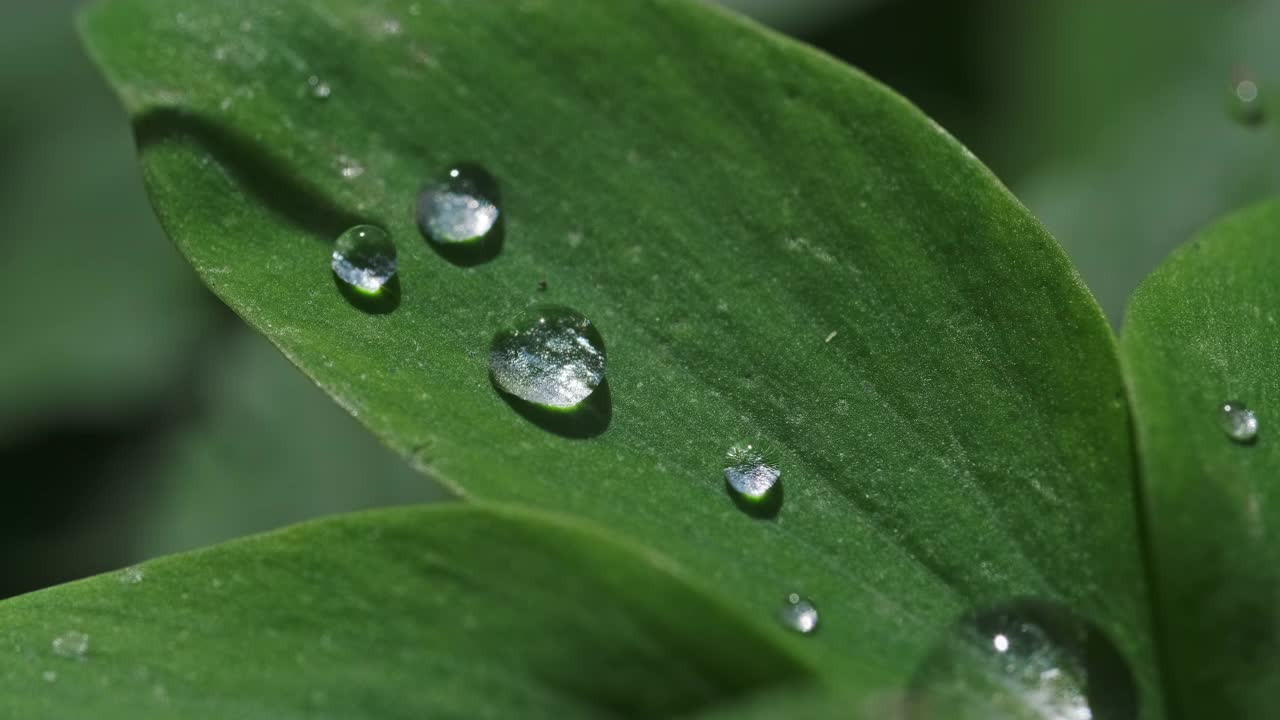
(140, 417)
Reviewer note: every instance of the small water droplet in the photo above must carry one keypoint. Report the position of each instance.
(71, 644)
(748, 471)
(349, 167)
(799, 614)
(1245, 102)
(1238, 421)
(464, 208)
(132, 575)
(320, 89)
(1025, 660)
(49, 676)
(550, 355)
(365, 258)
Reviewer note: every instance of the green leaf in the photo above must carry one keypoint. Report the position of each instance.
(443, 611)
(1201, 331)
(719, 201)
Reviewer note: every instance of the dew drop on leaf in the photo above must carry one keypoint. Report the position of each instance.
(462, 208)
(364, 258)
(318, 88)
(1026, 661)
(71, 644)
(799, 614)
(132, 575)
(748, 472)
(1238, 421)
(550, 355)
(1245, 102)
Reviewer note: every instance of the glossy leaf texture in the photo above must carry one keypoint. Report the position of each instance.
(1200, 332)
(775, 249)
(441, 611)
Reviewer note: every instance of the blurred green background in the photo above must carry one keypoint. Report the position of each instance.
(142, 418)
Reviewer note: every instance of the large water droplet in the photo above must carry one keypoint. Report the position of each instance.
(365, 258)
(1026, 661)
(71, 644)
(1245, 102)
(799, 614)
(551, 356)
(1238, 421)
(748, 471)
(463, 208)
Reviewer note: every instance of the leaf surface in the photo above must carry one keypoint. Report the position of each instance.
(1201, 331)
(776, 249)
(443, 612)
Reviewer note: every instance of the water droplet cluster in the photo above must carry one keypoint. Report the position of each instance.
(1024, 663)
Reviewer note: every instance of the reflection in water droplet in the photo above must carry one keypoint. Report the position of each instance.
(1238, 421)
(551, 355)
(71, 644)
(1026, 661)
(365, 258)
(1246, 103)
(799, 614)
(464, 208)
(748, 472)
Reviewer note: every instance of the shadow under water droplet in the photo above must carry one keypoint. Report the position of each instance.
(256, 170)
(587, 419)
(473, 253)
(765, 507)
(382, 302)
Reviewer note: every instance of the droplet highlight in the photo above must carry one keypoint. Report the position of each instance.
(1238, 421)
(550, 355)
(71, 644)
(461, 209)
(1025, 660)
(749, 473)
(799, 614)
(364, 258)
